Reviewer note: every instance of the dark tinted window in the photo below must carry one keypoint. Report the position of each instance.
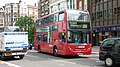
(108, 43)
(117, 43)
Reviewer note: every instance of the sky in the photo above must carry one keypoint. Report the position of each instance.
(3, 2)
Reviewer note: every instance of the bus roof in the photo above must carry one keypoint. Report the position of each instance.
(76, 11)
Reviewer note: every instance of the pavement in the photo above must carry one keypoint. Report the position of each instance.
(95, 49)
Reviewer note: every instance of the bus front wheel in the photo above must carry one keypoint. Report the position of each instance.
(55, 52)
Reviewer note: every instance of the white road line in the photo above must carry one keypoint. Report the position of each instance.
(10, 64)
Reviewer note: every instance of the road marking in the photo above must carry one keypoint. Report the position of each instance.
(9, 64)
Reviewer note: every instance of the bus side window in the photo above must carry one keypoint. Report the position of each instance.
(39, 38)
(45, 39)
(62, 37)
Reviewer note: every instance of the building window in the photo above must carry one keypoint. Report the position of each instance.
(105, 13)
(46, 7)
(51, 9)
(80, 5)
(15, 8)
(42, 8)
(15, 18)
(71, 4)
(24, 9)
(61, 6)
(109, 12)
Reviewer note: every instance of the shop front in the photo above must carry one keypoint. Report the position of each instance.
(101, 33)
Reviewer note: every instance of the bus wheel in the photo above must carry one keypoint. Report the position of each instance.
(55, 52)
(39, 49)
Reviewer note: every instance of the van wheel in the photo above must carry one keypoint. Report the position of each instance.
(109, 62)
(21, 56)
(55, 52)
(3, 57)
(39, 49)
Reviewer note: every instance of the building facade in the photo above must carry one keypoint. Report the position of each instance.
(32, 11)
(2, 16)
(46, 7)
(105, 16)
(15, 10)
(11, 13)
(43, 8)
(57, 5)
(23, 9)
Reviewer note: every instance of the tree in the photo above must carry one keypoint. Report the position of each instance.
(26, 24)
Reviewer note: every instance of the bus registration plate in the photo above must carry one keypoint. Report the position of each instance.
(81, 46)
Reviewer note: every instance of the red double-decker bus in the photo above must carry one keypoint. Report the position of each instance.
(66, 32)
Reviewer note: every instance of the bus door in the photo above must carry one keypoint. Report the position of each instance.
(45, 42)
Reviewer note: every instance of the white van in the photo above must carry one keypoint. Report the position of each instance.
(13, 42)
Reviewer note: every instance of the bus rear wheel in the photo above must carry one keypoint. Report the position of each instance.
(55, 52)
